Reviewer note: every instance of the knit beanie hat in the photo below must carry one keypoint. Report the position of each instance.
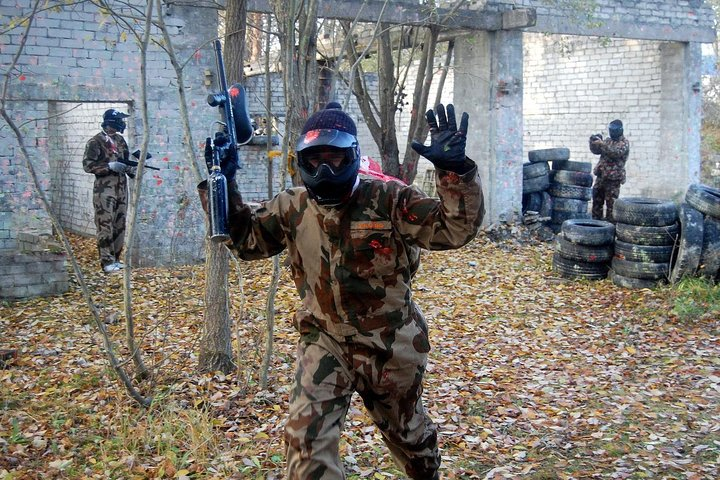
(331, 117)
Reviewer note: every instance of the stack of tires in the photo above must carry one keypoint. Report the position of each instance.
(536, 180)
(698, 252)
(570, 190)
(645, 235)
(583, 249)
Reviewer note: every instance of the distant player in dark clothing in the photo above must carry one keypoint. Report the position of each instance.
(610, 170)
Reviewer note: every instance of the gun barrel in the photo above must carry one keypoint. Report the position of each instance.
(132, 163)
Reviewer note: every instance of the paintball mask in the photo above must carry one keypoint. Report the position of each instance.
(615, 129)
(329, 155)
(114, 118)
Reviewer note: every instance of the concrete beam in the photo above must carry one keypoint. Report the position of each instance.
(402, 13)
(619, 29)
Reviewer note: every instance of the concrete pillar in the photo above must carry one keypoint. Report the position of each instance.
(488, 85)
(680, 118)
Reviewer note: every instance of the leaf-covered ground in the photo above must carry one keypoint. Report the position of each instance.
(530, 376)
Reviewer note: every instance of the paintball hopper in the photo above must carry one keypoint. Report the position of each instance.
(238, 103)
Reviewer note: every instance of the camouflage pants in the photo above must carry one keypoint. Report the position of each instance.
(386, 369)
(110, 203)
(604, 194)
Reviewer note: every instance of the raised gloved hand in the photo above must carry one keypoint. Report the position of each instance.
(447, 141)
(227, 166)
(118, 167)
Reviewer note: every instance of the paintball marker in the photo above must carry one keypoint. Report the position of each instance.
(132, 163)
(237, 130)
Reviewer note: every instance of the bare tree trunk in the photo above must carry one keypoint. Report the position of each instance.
(389, 152)
(215, 341)
(235, 31)
(254, 38)
(272, 290)
(141, 371)
(300, 79)
(420, 102)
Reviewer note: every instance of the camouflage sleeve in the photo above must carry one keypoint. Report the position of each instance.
(259, 233)
(94, 160)
(616, 150)
(448, 223)
(123, 149)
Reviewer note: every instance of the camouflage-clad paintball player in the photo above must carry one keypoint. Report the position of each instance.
(354, 247)
(102, 153)
(610, 170)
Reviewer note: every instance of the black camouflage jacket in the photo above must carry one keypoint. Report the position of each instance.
(613, 155)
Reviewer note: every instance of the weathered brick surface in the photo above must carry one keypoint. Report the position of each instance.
(32, 274)
(574, 86)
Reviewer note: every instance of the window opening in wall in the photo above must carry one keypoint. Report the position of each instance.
(70, 126)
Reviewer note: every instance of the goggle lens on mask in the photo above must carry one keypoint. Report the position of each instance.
(335, 158)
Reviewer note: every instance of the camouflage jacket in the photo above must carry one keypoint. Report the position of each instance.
(353, 265)
(99, 152)
(613, 155)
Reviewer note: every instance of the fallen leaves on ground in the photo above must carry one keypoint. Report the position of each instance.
(530, 376)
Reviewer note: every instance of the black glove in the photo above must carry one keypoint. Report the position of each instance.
(447, 142)
(228, 167)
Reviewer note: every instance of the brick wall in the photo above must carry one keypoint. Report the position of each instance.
(574, 86)
(76, 64)
(36, 268)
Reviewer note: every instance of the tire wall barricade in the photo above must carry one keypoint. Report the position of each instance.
(646, 233)
(557, 194)
(653, 241)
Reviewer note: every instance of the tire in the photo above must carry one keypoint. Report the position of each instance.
(532, 170)
(704, 199)
(643, 253)
(574, 269)
(629, 282)
(558, 216)
(532, 202)
(570, 177)
(588, 232)
(537, 184)
(710, 256)
(570, 205)
(585, 167)
(549, 154)
(583, 253)
(570, 191)
(641, 270)
(649, 212)
(690, 246)
(555, 227)
(546, 207)
(641, 235)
